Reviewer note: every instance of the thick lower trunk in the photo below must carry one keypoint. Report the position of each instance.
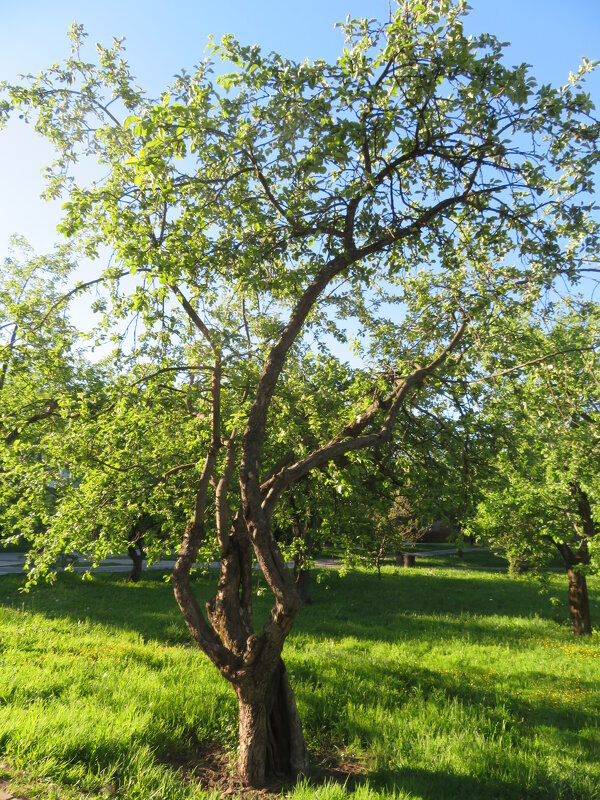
(271, 739)
(579, 605)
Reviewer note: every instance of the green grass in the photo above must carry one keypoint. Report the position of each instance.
(438, 682)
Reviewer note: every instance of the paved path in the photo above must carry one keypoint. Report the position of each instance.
(446, 551)
(13, 563)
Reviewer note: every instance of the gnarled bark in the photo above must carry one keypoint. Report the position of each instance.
(271, 742)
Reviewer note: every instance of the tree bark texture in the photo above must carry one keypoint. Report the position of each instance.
(271, 742)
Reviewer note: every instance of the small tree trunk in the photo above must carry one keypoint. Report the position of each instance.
(409, 560)
(270, 731)
(379, 555)
(579, 605)
(136, 554)
(302, 577)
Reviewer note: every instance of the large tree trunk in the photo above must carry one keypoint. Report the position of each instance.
(271, 742)
(271, 739)
(579, 605)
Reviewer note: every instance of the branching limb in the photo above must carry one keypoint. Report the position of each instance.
(350, 438)
(193, 315)
(205, 636)
(46, 413)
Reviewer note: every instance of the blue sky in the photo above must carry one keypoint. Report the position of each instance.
(552, 35)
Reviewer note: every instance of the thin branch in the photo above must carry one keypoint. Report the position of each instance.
(49, 411)
(533, 361)
(193, 314)
(180, 468)
(222, 510)
(176, 368)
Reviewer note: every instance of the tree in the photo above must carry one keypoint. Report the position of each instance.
(35, 342)
(542, 495)
(417, 167)
(39, 368)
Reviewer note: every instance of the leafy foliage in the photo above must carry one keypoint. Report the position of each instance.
(417, 189)
(548, 457)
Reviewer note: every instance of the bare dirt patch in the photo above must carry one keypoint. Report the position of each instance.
(213, 768)
(6, 793)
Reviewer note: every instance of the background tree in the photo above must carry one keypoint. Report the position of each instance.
(417, 161)
(542, 496)
(41, 372)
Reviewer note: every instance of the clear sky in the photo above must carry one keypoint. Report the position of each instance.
(162, 37)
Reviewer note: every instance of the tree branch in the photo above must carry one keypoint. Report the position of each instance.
(350, 438)
(49, 411)
(533, 361)
(193, 315)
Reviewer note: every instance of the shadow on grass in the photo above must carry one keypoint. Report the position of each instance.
(404, 605)
(436, 784)
(410, 606)
(353, 683)
(212, 767)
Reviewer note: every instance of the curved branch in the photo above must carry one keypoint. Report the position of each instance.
(204, 635)
(48, 412)
(350, 438)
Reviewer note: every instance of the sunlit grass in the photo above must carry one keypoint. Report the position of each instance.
(437, 683)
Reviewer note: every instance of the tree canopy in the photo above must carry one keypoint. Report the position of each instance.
(417, 187)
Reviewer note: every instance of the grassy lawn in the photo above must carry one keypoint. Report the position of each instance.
(435, 682)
